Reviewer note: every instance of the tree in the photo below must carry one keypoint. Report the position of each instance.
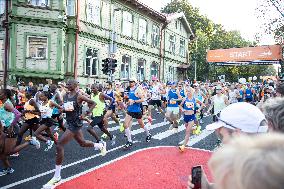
(211, 36)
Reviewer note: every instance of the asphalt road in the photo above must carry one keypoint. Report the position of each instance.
(34, 168)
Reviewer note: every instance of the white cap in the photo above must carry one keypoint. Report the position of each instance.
(133, 79)
(243, 116)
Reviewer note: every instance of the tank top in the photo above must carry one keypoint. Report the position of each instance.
(172, 97)
(110, 94)
(5, 116)
(248, 93)
(135, 107)
(46, 110)
(189, 104)
(100, 107)
(72, 109)
(182, 93)
(27, 106)
(219, 104)
(53, 98)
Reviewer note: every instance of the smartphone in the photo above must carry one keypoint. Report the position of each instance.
(196, 173)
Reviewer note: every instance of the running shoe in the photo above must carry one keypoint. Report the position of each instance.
(181, 148)
(113, 140)
(56, 136)
(28, 138)
(175, 129)
(165, 120)
(121, 128)
(127, 145)
(35, 142)
(15, 154)
(104, 136)
(6, 171)
(148, 138)
(52, 182)
(49, 145)
(103, 149)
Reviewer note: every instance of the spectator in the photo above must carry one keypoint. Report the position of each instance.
(249, 163)
(274, 112)
(234, 120)
(280, 89)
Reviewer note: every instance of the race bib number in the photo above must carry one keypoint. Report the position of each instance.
(173, 102)
(189, 105)
(68, 106)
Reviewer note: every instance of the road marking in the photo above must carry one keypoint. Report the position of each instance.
(196, 138)
(63, 167)
(167, 133)
(117, 127)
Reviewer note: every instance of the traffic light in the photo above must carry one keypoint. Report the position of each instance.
(106, 66)
(113, 65)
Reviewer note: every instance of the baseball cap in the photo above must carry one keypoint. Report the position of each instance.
(133, 79)
(171, 83)
(243, 116)
(218, 87)
(154, 78)
(118, 83)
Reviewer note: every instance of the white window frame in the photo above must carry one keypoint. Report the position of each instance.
(70, 7)
(94, 11)
(39, 3)
(155, 36)
(172, 46)
(2, 6)
(124, 74)
(142, 30)
(92, 58)
(156, 70)
(28, 48)
(182, 48)
(171, 73)
(141, 77)
(127, 23)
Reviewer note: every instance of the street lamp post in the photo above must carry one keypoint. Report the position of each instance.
(195, 59)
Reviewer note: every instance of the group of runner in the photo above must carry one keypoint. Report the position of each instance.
(66, 106)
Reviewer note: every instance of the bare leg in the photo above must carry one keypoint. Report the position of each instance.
(38, 133)
(187, 132)
(79, 137)
(93, 133)
(65, 138)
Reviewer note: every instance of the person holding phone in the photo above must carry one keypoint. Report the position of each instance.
(236, 119)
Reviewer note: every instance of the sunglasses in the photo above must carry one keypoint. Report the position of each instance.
(131, 81)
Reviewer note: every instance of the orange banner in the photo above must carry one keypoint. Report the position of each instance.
(272, 52)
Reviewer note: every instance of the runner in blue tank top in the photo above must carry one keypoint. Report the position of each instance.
(136, 97)
(111, 109)
(172, 113)
(188, 107)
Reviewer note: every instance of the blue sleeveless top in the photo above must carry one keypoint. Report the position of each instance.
(135, 107)
(182, 93)
(172, 97)
(110, 94)
(189, 104)
(248, 93)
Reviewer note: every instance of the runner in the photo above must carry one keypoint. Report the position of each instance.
(73, 108)
(172, 112)
(155, 92)
(46, 109)
(188, 105)
(98, 113)
(136, 97)
(111, 108)
(9, 117)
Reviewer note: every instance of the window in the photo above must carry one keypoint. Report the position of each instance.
(127, 24)
(172, 47)
(141, 69)
(94, 11)
(176, 24)
(155, 36)
(125, 67)
(91, 68)
(154, 70)
(37, 47)
(42, 3)
(70, 5)
(2, 6)
(171, 73)
(182, 48)
(142, 32)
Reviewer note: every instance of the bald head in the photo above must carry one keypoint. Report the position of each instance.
(72, 84)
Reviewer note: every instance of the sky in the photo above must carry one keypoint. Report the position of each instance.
(232, 14)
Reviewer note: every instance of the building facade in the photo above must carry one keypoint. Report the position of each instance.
(60, 38)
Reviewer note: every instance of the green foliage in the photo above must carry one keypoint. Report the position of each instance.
(212, 36)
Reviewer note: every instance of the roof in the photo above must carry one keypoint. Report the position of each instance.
(173, 16)
(142, 7)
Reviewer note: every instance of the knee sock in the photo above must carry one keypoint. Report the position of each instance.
(57, 171)
(98, 146)
(128, 134)
(146, 130)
